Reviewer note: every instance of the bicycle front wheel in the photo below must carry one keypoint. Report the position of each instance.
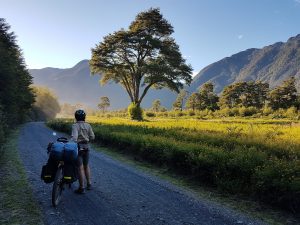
(57, 187)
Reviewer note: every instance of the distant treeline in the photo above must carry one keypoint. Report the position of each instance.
(16, 97)
(241, 94)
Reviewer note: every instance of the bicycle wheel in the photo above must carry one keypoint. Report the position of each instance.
(57, 187)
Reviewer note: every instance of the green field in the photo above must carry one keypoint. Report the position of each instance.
(254, 157)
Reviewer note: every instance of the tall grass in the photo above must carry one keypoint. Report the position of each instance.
(253, 157)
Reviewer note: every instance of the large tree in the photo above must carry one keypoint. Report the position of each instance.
(104, 103)
(207, 98)
(144, 56)
(285, 95)
(181, 98)
(156, 105)
(16, 97)
(193, 102)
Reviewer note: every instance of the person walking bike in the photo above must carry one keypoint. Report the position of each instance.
(82, 133)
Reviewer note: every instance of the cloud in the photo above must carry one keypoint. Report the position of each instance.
(297, 1)
(241, 36)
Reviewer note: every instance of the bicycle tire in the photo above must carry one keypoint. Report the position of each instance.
(57, 187)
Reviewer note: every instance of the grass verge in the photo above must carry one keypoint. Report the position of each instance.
(17, 205)
(236, 202)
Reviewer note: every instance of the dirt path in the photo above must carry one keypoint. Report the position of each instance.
(121, 195)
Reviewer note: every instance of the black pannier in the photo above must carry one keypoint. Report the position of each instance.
(70, 172)
(49, 171)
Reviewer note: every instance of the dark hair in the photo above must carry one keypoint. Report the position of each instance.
(80, 115)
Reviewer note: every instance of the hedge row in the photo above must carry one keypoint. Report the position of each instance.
(244, 169)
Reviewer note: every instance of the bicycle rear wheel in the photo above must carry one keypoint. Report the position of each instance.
(57, 187)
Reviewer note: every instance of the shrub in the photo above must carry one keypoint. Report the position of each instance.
(234, 111)
(224, 112)
(280, 113)
(247, 111)
(191, 113)
(150, 114)
(135, 112)
(180, 113)
(267, 111)
(291, 113)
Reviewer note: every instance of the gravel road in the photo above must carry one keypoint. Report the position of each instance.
(121, 195)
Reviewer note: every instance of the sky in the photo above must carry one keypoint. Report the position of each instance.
(61, 33)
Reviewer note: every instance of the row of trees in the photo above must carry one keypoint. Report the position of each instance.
(241, 94)
(16, 97)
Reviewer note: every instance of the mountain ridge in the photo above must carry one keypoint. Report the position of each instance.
(272, 64)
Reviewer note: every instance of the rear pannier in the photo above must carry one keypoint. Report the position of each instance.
(49, 171)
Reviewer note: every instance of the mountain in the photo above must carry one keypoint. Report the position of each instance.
(272, 64)
(77, 85)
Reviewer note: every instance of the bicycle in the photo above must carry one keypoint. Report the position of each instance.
(60, 179)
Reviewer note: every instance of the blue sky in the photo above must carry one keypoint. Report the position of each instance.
(60, 33)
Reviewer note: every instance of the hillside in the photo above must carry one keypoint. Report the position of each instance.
(271, 64)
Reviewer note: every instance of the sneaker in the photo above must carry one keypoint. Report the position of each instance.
(89, 187)
(79, 190)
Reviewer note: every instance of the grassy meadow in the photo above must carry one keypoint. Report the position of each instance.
(254, 157)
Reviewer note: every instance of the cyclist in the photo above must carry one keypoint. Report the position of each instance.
(82, 133)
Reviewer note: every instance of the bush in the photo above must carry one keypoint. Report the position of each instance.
(135, 112)
(291, 113)
(247, 111)
(180, 113)
(191, 113)
(267, 111)
(279, 113)
(224, 112)
(234, 111)
(150, 114)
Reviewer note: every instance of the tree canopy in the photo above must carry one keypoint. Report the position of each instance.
(144, 56)
(245, 94)
(285, 95)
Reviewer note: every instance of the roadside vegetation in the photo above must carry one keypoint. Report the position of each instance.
(16, 100)
(258, 158)
(18, 205)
